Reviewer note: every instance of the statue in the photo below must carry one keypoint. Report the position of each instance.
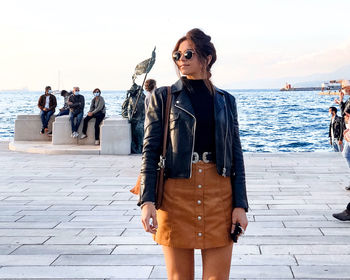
(133, 106)
(136, 116)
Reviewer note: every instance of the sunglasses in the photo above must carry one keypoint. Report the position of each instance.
(187, 55)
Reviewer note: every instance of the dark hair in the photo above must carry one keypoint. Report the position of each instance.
(47, 88)
(97, 89)
(150, 84)
(203, 47)
(333, 109)
(64, 93)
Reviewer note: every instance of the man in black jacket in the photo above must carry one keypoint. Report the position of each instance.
(76, 103)
(335, 130)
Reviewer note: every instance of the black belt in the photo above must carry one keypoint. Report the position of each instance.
(205, 157)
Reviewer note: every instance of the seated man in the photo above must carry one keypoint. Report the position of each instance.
(97, 111)
(47, 104)
(76, 103)
(65, 109)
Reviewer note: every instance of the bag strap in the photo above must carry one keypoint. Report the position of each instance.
(166, 122)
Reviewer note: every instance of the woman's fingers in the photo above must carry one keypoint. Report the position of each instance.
(154, 220)
(146, 225)
(148, 213)
(244, 223)
(239, 216)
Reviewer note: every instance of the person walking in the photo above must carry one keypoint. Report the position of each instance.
(335, 130)
(97, 111)
(205, 189)
(76, 103)
(47, 104)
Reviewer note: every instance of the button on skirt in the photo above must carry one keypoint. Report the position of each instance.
(196, 212)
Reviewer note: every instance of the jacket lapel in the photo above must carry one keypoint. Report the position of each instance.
(219, 102)
(181, 98)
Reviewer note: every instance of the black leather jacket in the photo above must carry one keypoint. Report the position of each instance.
(229, 156)
(337, 129)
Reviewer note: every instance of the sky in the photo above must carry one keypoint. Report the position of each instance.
(98, 43)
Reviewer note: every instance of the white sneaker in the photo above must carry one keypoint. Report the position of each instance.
(72, 135)
(83, 136)
(76, 134)
(97, 142)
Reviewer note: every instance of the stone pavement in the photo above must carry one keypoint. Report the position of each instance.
(73, 217)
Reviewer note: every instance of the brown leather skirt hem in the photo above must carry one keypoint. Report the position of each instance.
(196, 212)
(185, 246)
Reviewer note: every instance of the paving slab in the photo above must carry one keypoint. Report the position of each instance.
(72, 217)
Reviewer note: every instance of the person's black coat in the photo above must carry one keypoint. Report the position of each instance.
(78, 103)
(337, 128)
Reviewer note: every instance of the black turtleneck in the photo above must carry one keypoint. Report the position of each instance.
(203, 104)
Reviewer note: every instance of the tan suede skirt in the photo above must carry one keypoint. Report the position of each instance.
(196, 212)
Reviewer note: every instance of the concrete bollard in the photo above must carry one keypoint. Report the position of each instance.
(115, 136)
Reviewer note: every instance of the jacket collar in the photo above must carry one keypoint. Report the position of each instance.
(183, 101)
(178, 86)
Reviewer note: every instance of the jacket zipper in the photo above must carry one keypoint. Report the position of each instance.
(224, 169)
(194, 135)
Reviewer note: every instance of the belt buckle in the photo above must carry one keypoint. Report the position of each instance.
(195, 157)
(204, 157)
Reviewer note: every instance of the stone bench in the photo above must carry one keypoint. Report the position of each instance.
(61, 132)
(27, 128)
(115, 133)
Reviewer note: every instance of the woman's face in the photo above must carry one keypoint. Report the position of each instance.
(191, 68)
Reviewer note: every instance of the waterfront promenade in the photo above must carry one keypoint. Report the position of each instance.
(73, 217)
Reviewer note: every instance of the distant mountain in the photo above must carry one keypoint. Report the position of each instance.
(318, 79)
(314, 80)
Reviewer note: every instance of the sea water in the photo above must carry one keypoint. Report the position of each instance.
(270, 120)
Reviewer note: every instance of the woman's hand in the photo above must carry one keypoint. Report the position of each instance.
(239, 216)
(148, 212)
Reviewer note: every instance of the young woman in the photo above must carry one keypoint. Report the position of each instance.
(205, 191)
